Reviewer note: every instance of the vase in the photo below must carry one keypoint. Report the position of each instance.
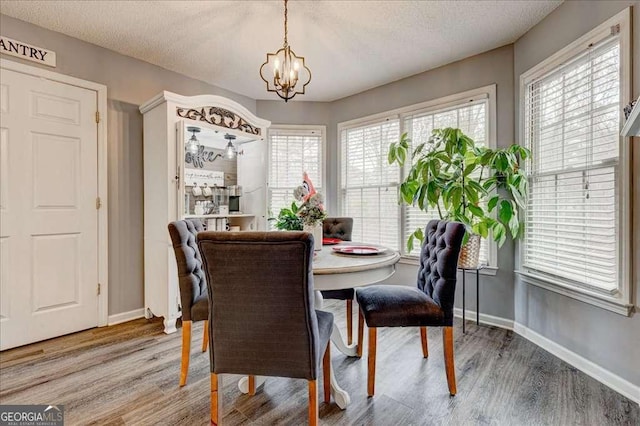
(470, 253)
(316, 231)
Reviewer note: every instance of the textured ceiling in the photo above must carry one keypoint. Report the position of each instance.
(350, 46)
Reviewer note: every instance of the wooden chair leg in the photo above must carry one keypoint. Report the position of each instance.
(252, 385)
(326, 373)
(349, 321)
(423, 339)
(205, 336)
(360, 332)
(313, 403)
(447, 343)
(371, 372)
(186, 351)
(214, 399)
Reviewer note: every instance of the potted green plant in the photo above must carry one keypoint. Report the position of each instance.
(288, 219)
(465, 182)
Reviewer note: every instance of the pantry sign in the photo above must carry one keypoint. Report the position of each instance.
(26, 51)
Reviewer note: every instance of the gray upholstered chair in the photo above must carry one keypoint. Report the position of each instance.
(193, 285)
(428, 304)
(262, 317)
(341, 228)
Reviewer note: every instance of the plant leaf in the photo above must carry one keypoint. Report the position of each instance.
(391, 156)
(481, 229)
(505, 212)
(401, 154)
(514, 226)
(499, 233)
(475, 210)
(493, 201)
(471, 194)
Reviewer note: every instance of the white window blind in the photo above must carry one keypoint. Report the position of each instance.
(471, 118)
(292, 152)
(571, 125)
(369, 185)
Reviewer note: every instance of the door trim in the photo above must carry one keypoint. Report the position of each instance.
(101, 107)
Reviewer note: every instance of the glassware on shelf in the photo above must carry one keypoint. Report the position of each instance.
(221, 198)
(199, 209)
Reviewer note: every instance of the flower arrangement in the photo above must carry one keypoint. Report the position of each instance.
(311, 211)
(288, 219)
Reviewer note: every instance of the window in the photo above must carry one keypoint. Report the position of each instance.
(369, 185)
(292, 151)
(471, 118)
(575, 219)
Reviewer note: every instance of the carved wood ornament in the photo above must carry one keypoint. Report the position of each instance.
(219, 117)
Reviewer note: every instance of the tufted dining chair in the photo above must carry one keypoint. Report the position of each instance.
(192, 283)
(262, 315)
(430, 304)
(341, 228)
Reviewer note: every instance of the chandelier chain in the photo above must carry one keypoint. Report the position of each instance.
(285, 23)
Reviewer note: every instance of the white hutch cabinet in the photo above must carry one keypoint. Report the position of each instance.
(166, 194)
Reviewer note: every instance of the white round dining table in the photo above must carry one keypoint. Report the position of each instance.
(336, 271)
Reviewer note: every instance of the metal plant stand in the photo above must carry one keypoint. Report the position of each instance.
(477, 271)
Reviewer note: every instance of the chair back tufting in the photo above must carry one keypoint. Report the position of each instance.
(191, 277)
(437, 273)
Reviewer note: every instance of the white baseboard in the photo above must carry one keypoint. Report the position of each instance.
(484, 318)
(125, 316)
(590, 368)
(604, 376)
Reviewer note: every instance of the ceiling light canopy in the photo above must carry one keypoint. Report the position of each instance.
(284, 72)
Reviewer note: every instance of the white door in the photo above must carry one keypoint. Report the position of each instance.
(48, 216)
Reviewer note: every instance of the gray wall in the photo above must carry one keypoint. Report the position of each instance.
(495, 66)
(130, 82)
(608, 339)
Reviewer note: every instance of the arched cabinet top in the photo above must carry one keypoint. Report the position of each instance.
(212, 109)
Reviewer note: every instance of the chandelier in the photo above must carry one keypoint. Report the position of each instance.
(193, 144)
(230, 152)
(284, 72)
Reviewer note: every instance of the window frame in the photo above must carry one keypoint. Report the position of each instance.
(617, 300)
(323, 155)
(447, 102)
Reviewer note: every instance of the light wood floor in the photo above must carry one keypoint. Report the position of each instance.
(128, 374)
